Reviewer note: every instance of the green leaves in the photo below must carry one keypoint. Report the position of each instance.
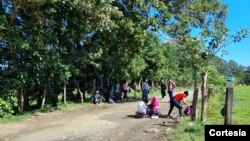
(55, 41)
(24, 45)
(241, 34)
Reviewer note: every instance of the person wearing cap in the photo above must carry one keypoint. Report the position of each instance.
(176, 101)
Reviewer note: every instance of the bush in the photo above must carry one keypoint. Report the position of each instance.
(7, 106)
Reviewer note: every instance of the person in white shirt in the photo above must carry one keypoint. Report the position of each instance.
(142, 109)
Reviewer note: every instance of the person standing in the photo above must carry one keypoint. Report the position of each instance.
(106, 92)
(176, 101)
(125, 89)
(116, 90)
(171, 87)
(163, 89)
(145, 89)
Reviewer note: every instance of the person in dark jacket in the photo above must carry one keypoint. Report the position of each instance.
(163, 89)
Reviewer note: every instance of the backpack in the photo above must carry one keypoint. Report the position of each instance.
(188, 110)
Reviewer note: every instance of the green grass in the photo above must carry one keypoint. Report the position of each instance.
(16, 118)
(241, 105)
(188, 131)
(195, 132)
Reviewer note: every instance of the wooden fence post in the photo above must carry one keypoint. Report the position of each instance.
(228, 106)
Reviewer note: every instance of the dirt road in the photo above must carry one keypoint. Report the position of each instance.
(104, 122)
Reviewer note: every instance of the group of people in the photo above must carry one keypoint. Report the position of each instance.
(120, 92)
(143, 108)
(153, 109)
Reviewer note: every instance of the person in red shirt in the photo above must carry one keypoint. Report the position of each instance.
(176, 101)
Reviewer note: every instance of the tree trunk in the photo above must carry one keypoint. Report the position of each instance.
(79, 90)
(84, 92)
(204, 95)
(94, 87)
(64, 92)
(20, 101)
(194, 104)
(44, 96)
(195, 96)
(138, 85)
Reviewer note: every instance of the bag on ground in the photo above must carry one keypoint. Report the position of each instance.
(188, 110)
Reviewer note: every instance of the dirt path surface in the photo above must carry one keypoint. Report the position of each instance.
(104, 122)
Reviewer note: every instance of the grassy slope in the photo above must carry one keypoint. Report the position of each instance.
(187, 131)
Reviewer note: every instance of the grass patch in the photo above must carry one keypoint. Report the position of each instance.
(187, 131)
(214, 106)
(241, 105)
(16, 117)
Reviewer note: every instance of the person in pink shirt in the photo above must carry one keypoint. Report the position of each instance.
(171, 87)
(125, 89)
(154, 108)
